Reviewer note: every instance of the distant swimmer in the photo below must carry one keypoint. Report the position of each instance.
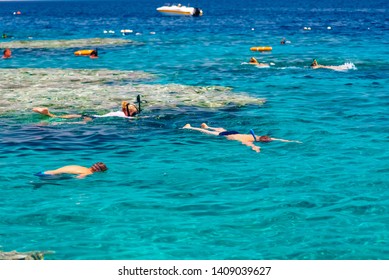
(7, 53)
(315, 65)
(128, 110)
(254, 61)
(81, 171)
(94, 54)
(246, 139)
(284, 41)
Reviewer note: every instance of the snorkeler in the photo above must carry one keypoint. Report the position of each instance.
(246, 139)
(7, 53)
(254, 61)
(128, 110)
(94, 54)
(81, 171)
(315, 65)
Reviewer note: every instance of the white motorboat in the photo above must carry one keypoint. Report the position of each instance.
(176, 10)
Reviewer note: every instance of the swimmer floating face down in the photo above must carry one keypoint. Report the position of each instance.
(246, 139)
(80, 171)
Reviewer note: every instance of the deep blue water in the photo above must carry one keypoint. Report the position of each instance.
(177, 194)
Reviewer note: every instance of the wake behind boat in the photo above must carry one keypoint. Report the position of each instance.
(176, 10)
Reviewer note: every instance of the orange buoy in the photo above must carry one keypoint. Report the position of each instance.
(261, 49)
(83, 52)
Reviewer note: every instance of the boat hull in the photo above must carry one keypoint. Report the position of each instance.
(180, 11)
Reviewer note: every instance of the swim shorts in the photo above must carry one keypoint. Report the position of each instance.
(228, 132)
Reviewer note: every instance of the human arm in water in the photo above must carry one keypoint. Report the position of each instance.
(284, 140)
(251, 145)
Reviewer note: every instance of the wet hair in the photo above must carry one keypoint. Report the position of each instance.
(264, 138)
(314, 63)
(99, 167)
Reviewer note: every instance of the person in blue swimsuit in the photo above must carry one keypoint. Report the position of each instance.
(245, 139)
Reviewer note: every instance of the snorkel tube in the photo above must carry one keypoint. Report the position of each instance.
(138, 101)
(253, 134)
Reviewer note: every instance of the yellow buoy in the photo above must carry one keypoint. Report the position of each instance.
(83, 52)
(261, 49)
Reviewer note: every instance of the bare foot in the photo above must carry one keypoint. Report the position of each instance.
(41, 110)
(187, 126)
(204, 125)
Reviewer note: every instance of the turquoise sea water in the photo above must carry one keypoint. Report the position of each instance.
(177, 194)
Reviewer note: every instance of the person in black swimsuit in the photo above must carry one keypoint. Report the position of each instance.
(246, 139)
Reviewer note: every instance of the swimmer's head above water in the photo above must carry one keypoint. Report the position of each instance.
(99, 167)
(128, 109)
(7, 53)
(253, 60)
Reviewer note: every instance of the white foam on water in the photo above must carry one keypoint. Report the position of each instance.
(343, 67)
(349, 66)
